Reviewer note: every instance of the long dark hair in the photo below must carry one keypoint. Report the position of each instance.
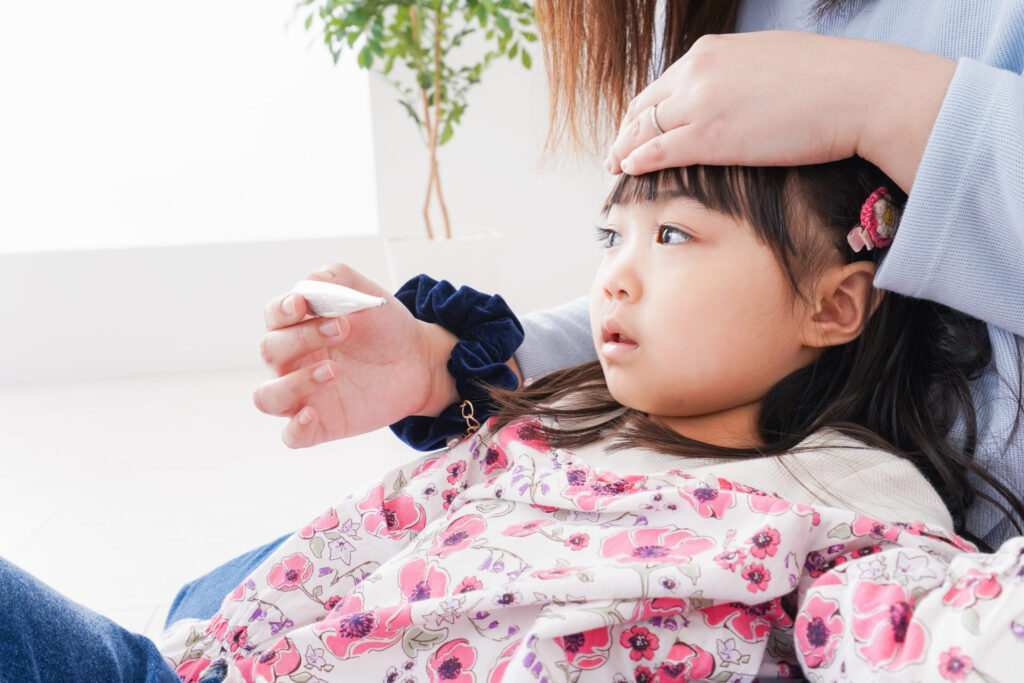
(902, 385)
(600, 53)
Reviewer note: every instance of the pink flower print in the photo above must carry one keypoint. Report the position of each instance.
(685, 663)
(970, 587)
(218, 627)
(394, 517)
(640, 642)
(642, 674)
(818, 629)
(751, 623)
(325, 522)
(708, 501)
(577, 541)
(193, 670)
(429, 466)
(456, 471)
(883, 622)
(449, 496)
(757, 576)
(731, 559)
(587, 649)
(495, 459)
(764, 543)
(468, 584)
(453, 661)
(290, 573)
(238, 638)
(332, 602)
(592, 491)
(655, 546)
(556, 573)
(865, 526)
(954, 666)
(422, 580)
(280, 660)
(457, 535)
(768, 504)
(350, 631)
(497, 674)
(526, 528)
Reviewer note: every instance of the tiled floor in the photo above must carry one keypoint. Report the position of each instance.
(118, 492)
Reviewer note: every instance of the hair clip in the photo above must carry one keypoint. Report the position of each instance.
(878, 221)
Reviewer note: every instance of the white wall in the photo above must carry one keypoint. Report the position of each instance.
(100, 313)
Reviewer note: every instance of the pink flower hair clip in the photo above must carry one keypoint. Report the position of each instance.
(878, 220)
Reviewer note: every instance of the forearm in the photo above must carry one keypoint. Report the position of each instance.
(902, 93)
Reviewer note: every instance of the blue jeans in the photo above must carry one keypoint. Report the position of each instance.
(200, 599)
(46, 637)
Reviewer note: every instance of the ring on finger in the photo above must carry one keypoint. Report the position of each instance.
(654, 119)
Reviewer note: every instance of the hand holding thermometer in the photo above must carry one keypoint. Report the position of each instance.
(331, 301)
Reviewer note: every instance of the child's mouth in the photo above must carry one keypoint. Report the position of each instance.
(615, 343)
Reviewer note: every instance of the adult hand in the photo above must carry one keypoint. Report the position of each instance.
(782, 98)
(338, 377)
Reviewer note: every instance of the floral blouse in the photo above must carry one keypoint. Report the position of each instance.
(502, 559)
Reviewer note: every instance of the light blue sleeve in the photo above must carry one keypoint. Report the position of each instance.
(961, 238)
(556, 338)
(961, 243)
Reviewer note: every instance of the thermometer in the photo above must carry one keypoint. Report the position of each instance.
(330, 301)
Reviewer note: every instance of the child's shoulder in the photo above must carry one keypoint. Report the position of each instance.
(841, 471)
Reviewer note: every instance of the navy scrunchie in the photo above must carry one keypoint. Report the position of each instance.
(489, 333)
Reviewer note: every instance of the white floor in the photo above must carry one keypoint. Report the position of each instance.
(118, 492)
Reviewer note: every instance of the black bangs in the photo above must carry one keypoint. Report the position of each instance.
(755, 195)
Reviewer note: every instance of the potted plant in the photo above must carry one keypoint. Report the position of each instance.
(421, 47)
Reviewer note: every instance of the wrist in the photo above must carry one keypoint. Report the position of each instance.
(902, 96)
(439, 344)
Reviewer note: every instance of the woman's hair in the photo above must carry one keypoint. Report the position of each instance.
(600, 53)
(902, 385)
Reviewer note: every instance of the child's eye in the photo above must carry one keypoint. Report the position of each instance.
(608, 238)
(672, 234)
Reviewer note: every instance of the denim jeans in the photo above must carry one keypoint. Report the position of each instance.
(46, 637)
(200, 599)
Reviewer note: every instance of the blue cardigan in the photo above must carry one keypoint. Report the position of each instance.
(961, 237)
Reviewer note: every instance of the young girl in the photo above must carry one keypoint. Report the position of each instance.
(747, 483)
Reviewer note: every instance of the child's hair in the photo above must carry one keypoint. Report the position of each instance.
(902, 385)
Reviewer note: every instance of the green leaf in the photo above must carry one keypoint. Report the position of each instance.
(690, 571)
(317, 546)
(365, 59)
(841, 531)
(502, 22)
(527, 61)
(447, 134)
(301, 677)
(417, 639)
(513, 51)
(309, 21)
(317, 591)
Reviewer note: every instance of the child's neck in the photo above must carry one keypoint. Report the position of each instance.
(731, 428)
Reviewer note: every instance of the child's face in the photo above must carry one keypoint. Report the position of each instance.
(693, 318)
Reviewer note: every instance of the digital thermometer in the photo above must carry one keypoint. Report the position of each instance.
(331, 301)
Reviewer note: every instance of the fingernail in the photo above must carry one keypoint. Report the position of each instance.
(627, 165)
(323, 373)
(305, 419)
(289, 304)
(330, 328)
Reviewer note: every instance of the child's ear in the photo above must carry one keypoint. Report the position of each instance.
(843, 301)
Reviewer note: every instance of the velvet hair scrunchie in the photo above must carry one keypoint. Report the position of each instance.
(489, 333)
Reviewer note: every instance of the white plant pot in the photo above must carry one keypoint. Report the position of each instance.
(474, 261)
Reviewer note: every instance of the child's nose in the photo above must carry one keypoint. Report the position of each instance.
(622, 280)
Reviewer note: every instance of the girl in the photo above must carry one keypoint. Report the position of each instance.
(747, 482)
